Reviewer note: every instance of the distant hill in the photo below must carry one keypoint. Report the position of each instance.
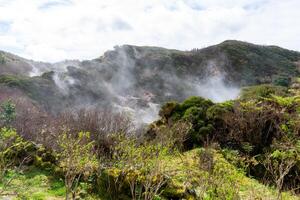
(139, 79)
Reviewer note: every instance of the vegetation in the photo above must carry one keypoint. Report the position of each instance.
(11, 158)
(247, 148)
(239, 149)
(241, 64)
(259, 133)
(76, 160)
(8, 113)
(262, 91)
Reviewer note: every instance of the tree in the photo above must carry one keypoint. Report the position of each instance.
(77, 160)
(8, 113)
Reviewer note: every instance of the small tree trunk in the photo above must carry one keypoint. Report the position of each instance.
(67, 194)
(279, 195)
(67, 188)
(279, 188)
(74, 195)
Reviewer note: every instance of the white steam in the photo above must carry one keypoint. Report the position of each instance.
(214, 88)
(115, 78)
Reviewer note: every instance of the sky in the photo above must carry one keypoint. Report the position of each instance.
(54, 30)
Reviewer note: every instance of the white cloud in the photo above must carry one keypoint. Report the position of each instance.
(52, 30)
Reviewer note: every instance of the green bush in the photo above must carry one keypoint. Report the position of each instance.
(11, 144)
(216, 111)
(194, 114)
(195, 101)
(193, 110)
(282, 81)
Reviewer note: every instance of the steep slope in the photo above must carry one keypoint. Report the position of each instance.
(139, 79)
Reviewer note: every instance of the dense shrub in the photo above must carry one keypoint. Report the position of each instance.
(168, 109)
(135, 170)
(192, 110)
(247, 127)
(282, 81)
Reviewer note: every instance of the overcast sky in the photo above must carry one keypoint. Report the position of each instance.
(53, 30)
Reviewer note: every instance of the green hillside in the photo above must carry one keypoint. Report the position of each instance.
(77, 132)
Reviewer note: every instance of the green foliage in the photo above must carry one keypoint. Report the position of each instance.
(287, 102)
(173, 137)
(34, 183)
(37, 88)
(216, 111)
(46, 159)
(282, 81)
(280, 161)
(76, 159)
(12, 149)
(224, 182)
(194, 114)
(7, 112)
(193, 110)
(189, 107)
(262, 91)
(253, 131)
(10, 145)
(137, 170)
(11, 80)
(254, 63)
(167, 109)
(195, 102)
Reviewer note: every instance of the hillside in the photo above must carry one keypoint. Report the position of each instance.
(219, 123)
(139, 79)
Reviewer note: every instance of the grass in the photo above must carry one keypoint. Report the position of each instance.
(35, 184)
(185, 169)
